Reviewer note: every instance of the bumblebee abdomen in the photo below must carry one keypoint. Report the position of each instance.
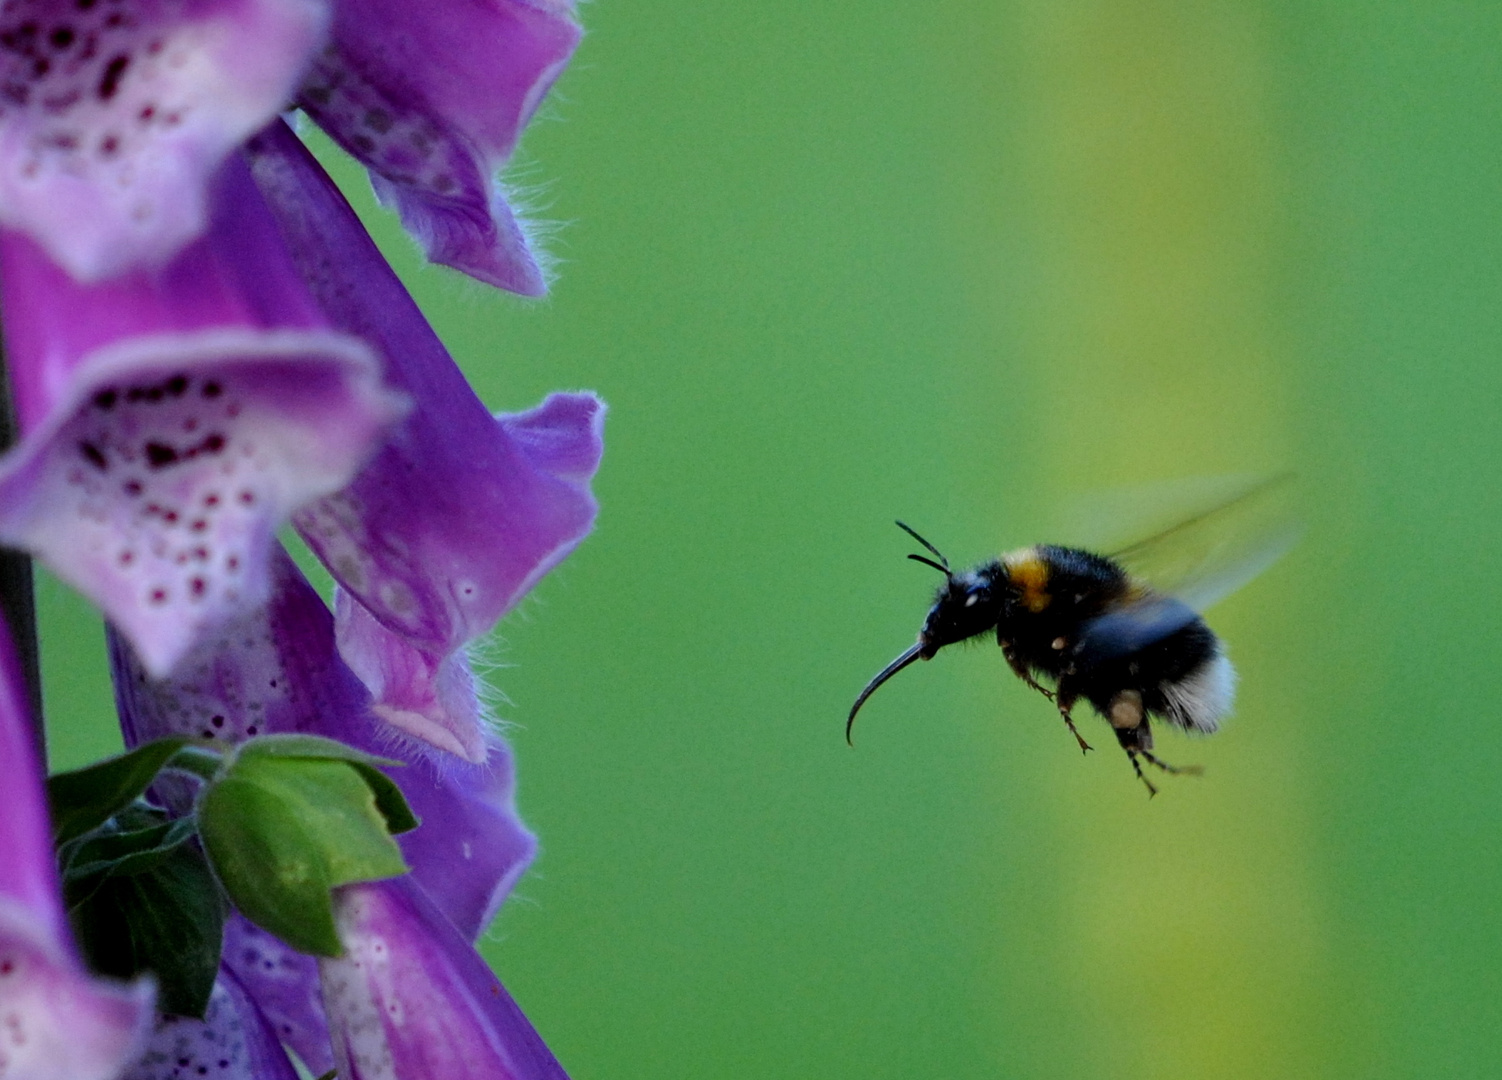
(1183, 677)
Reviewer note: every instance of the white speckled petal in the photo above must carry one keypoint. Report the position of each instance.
(412, 999)
(114, 115)
(172, 421)
(56, 1021)
(231, 1042)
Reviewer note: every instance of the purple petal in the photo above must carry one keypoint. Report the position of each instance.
(231, 1042)
(431, 700)
(276, 670)
(284, 984)
(174, 420)
(461, 512)
(432, 99)
(412, 999)
(114, 116)
(56, 1021)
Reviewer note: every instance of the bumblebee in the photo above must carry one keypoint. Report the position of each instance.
(1095, 630)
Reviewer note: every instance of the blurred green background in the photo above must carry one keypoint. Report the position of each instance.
(963, 262)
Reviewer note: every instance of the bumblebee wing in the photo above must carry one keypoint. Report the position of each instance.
(1130, 628)
(1218, 546)
(1237, 529)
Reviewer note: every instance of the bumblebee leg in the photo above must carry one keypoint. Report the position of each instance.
(1019, 669)
(1065, 701)
(1174, 770)
(1135, 738)
(1132, 753)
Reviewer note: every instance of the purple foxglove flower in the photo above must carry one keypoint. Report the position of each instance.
(56, 1021)
(432, 98)
(113, 116)
(284, 984)
(172, 420)
(461, 512)
(411, 999)
(277, 670)
(232, 1042)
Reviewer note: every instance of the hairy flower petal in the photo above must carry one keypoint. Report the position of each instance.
(411, 997)
(173, 420)
(56, 1021)
(232, 1042)
(276, 669)
(432, 99)
(461, 512)
(113, 116)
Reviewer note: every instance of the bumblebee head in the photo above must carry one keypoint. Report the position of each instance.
(967, 604)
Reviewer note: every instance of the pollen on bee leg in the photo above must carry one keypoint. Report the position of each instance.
(1126, 710)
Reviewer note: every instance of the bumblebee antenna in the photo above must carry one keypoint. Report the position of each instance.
(886, 673)
(942, 565)
(929, 562)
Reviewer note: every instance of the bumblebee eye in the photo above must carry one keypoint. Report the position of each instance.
(971, 599)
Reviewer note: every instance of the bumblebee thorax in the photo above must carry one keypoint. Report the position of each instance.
(1028, 572)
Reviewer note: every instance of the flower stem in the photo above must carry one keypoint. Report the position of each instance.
(17, 595)
(200, 761)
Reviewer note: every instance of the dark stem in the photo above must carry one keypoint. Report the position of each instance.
(17, 596)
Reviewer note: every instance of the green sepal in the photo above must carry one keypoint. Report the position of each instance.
(84, 799)
(120, 853)
(146, 901)
(291, 818)
(389, 798)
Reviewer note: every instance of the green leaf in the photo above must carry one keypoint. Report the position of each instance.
(84, 799)
(309, 746)
(123, 853)
(282, 830)
(162, 915)
(389, 798)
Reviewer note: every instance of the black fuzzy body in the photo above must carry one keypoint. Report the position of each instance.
(1078, 621)
(1076, 626)
(1084, 587)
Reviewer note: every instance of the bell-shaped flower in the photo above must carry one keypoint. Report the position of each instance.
(460, 512)
(173, 419)
(113, 116)
(411, 998)
(432, 98)
(233, 1041)
(56, 1021)
(277, 670)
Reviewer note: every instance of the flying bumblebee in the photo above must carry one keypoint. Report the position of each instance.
(1094, 628)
